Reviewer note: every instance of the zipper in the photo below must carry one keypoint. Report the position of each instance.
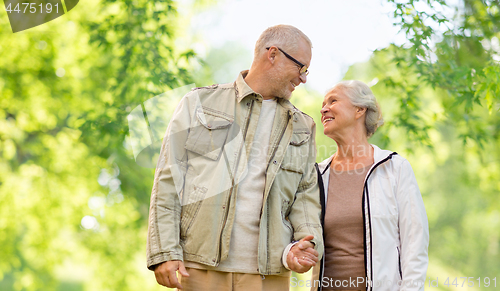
(323, 208)
(289, 116)
(367, 202)
(219, 251)
(368, 287)
(399, 264)
(267, 205)
(268, 271)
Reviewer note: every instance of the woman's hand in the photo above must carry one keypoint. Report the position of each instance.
(302, 256)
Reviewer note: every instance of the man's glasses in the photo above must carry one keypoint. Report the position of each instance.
(303, 68)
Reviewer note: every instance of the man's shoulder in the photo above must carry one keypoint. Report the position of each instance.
(300, 116)
(217, 98)
(211, 94)
(214, 87)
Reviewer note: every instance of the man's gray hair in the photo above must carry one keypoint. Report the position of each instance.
(362, 96)
(283, 36)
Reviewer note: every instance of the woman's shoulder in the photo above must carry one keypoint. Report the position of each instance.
(387, 155)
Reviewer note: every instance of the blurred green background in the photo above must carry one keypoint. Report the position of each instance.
(74, 202)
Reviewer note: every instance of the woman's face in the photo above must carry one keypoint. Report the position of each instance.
(338, 115)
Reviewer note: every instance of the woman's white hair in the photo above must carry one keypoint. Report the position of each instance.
(283, 36)
(362, 96)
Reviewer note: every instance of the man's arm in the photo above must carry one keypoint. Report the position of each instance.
(305, 214)
(166, 275)
(164, 253)
(300, 256)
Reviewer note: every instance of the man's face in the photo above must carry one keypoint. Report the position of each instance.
(285, 77)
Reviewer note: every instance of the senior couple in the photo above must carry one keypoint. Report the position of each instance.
(238, 201)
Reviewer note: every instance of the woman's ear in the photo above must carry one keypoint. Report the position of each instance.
(360, 111)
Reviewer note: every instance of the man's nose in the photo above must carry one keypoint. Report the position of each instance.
(303, 78)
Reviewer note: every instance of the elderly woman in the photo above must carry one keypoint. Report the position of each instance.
(375, 225)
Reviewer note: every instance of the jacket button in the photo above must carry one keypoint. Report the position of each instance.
(274, 162)
(248, 104)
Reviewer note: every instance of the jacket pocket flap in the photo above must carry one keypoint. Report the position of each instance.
(211, 120)
(300, 137)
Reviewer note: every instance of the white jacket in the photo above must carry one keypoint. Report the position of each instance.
(396, 229)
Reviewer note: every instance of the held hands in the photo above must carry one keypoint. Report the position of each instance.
(165, 273)
(302, 256)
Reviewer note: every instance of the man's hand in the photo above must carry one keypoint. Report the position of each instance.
(165, 273)
(302, 255)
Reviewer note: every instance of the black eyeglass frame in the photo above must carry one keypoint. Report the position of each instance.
(302, 66)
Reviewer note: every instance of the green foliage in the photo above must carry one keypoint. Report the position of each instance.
(66, 88)
(74, 204)
(452, 54)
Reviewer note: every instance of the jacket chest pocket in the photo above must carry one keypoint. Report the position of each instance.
(208, 133)
(297, 152)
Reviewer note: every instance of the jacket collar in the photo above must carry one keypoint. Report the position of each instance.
(243, 90)
(378, 155)
(324, 165)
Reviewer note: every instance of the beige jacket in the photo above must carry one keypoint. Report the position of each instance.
(203, 157)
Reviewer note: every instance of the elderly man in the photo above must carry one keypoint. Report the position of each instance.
(235, 186)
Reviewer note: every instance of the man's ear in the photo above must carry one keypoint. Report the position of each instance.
(271, 54)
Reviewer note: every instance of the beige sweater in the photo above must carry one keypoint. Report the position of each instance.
(344, 250)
